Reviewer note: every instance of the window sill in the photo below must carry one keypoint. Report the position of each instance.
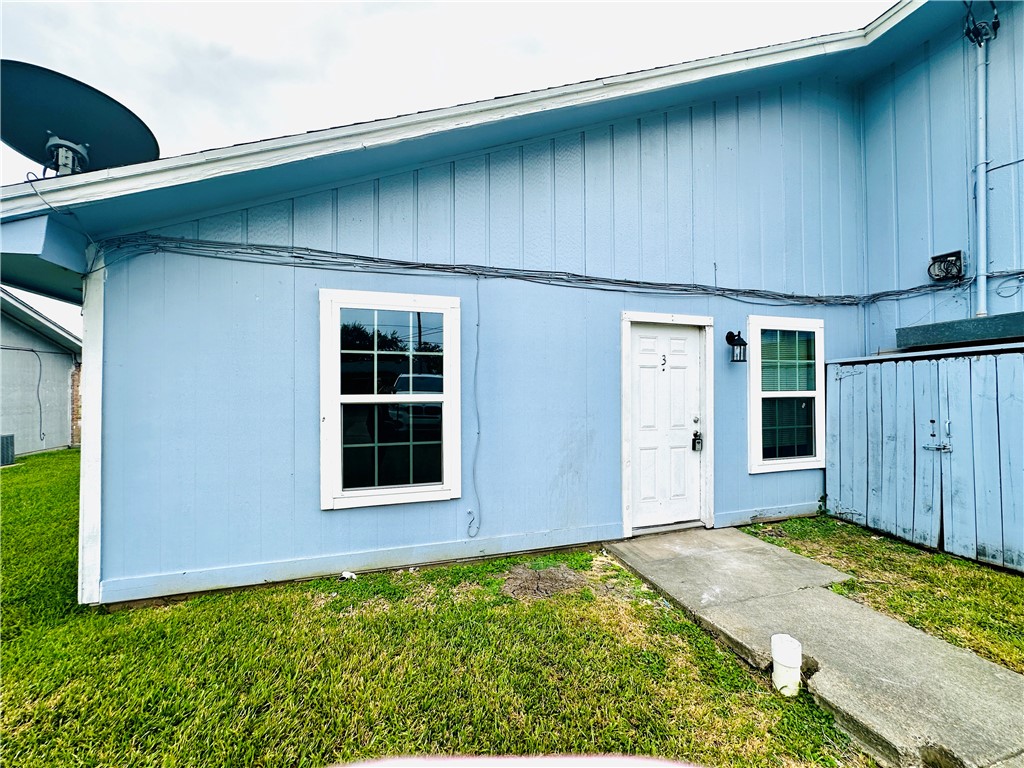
(786, 465)
(357, 499)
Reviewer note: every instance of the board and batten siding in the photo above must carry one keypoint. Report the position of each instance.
(757, 190)
(211, 425)
(919, 152)
(211, 453)
(931, 451)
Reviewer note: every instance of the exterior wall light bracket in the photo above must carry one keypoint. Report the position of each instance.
(738, 345)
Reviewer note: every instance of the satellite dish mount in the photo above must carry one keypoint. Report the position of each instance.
(66, 156)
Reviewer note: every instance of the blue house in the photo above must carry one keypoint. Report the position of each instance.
(502, 326)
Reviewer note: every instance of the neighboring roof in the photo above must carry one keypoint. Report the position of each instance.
(222, 179)
(30, 317)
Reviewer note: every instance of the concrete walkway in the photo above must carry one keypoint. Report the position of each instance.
(906, 698)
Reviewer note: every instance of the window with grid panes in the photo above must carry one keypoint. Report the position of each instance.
(389, 398)
(787, 394)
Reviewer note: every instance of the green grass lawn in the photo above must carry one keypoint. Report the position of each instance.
(965, 603)
(434, 661)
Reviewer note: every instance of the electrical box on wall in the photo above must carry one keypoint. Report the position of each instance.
(947, 266)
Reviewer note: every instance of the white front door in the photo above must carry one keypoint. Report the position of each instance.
(666, 411)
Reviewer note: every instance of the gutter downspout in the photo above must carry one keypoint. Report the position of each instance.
(981, 181)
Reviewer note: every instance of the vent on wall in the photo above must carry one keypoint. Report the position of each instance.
(6, 450)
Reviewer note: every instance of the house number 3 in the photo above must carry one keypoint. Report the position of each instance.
(663, 361)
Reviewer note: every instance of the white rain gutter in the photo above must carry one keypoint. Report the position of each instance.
(981, 181)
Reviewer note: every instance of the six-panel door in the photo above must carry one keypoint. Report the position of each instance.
(665, 413)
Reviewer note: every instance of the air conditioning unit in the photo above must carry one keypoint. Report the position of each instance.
(6, 450)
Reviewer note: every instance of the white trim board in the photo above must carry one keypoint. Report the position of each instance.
(706, 326)
(227, 577)
(90, 497)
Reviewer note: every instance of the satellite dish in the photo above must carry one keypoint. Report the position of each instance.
(66, 125)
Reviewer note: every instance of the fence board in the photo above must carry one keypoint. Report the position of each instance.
(858, 446)
(833, 448)
(927, 503)
(844, 503)
(959, 527)
(903, 456)
(875, 511)
(887, 506)
(1010, 386)
(985, 433)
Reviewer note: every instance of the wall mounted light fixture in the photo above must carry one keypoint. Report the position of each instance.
(739, 346)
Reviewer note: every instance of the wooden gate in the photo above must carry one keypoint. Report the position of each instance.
(931, 449)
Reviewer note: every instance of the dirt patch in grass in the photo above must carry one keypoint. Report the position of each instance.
(525, 583)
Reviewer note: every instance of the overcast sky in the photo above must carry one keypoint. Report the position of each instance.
(204, 75)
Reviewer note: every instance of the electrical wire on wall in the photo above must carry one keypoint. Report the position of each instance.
(475, 518)
(39, 378)
(120, 249)
(39, 385)
(39, 397)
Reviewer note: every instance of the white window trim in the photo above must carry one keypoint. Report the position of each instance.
(332, 496)
(755, 463)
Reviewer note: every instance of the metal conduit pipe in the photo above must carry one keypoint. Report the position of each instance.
(981, 181)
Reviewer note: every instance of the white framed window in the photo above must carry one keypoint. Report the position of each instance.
(390, 422)
(786, 404)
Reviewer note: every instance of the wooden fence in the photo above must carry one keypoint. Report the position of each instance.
(931, 450)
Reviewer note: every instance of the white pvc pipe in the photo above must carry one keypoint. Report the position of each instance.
(787, 658)
(981, 180)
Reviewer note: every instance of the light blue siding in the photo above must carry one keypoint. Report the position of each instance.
(212, 463)
(821, 186)
(749, 191)
(569, 205)
(919, 153)
(314, 222)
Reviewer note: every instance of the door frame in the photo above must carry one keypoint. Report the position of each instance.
(705, 327)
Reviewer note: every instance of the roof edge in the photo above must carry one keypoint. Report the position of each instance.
(23, 199)
(31, 317)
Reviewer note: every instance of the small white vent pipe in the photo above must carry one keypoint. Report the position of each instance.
(787, 658)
